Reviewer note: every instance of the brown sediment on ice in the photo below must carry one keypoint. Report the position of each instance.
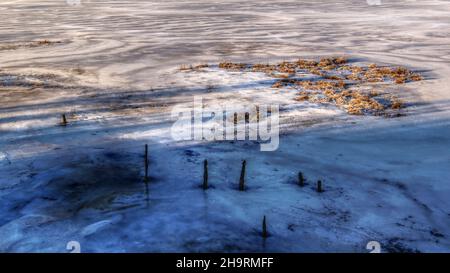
(10, 79)
(39, 43)
(337, 82)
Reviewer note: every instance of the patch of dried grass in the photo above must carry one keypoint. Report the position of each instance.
(185, 67)
(232, 66)
(337, 77)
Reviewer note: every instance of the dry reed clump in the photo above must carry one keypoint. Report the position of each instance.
(283, 83)
(335, 78)
(288, 67)
(359, 103)
(266, 68)
(185, 67)
(306, 64)
(232, 66)
(396, 104)
(41, 43)
(200, 66)
(321, 85)
(374, 73)
(303, 96)
(353, 101)
(317, 72)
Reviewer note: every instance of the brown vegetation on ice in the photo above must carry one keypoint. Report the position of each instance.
(339, 83)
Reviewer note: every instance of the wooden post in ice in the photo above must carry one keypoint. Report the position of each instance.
(146, 163)
(257, 113)
(301, 180)
(264, 228)
(242, 179)
(235, 129)
(319, 186)
(205, 174)
(64, 120)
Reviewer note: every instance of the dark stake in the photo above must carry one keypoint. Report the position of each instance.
(205, 174)
(301, 180)
(257, 113)
(319, 186)
(64, 120)
(235, 121)
(146, 163)
(264, 228)
(242, 179)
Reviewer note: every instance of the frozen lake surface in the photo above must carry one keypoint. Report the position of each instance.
(113, 68)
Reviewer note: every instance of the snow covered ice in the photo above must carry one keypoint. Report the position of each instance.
(113, 68)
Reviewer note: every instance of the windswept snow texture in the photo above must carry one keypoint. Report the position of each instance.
(113, 68)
